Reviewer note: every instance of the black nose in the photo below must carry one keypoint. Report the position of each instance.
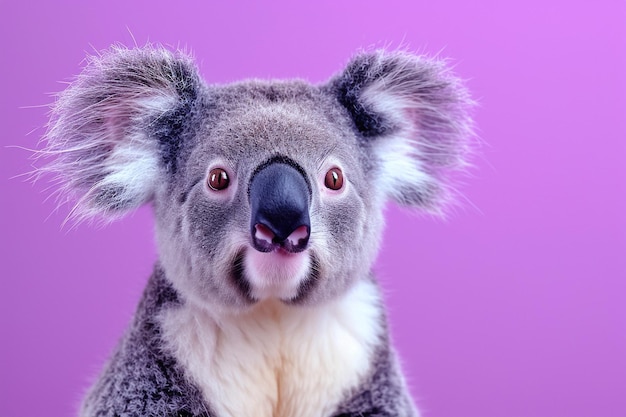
(279, 199)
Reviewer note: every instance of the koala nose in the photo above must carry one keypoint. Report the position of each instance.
(279, 200)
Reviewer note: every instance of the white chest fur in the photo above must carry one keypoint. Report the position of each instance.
(276, 360)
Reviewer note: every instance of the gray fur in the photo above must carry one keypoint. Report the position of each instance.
(139, 125)
(141, 379)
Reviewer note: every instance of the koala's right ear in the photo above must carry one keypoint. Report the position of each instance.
(103, 134)
(412, 116)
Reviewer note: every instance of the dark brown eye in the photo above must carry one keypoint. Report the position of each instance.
(218, 179)
(334, 179)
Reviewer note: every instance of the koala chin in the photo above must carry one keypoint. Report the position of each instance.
(268, 198)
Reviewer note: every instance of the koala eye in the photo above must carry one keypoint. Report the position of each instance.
(218, 179)
(334, 179)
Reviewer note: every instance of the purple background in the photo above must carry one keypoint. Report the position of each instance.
(513, 306)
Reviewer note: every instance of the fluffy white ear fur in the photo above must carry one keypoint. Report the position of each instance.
(99, 138)
(415, 115)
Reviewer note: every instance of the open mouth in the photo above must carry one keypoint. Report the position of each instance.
(279, 274)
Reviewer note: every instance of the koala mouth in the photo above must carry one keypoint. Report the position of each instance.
(280, 274)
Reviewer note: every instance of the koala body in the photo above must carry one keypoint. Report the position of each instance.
(268, 197)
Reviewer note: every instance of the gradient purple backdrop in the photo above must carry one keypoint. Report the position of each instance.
(513, 306)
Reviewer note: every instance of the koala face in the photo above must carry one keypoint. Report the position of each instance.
(278, 146)
(262, 190)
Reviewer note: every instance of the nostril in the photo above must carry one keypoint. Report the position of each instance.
(298, 240)
(265, 240)
(299, 236)
(263, 233)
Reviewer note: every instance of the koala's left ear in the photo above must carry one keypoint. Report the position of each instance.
(115, 132)
(411, 115)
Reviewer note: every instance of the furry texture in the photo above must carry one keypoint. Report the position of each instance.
(100, 127)
(140, 126)
(300, 360)
(141, 379)
(415, 114)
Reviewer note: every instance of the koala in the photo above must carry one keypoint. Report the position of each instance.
(268, 199)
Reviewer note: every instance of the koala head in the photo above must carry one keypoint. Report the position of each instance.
(261, 189)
